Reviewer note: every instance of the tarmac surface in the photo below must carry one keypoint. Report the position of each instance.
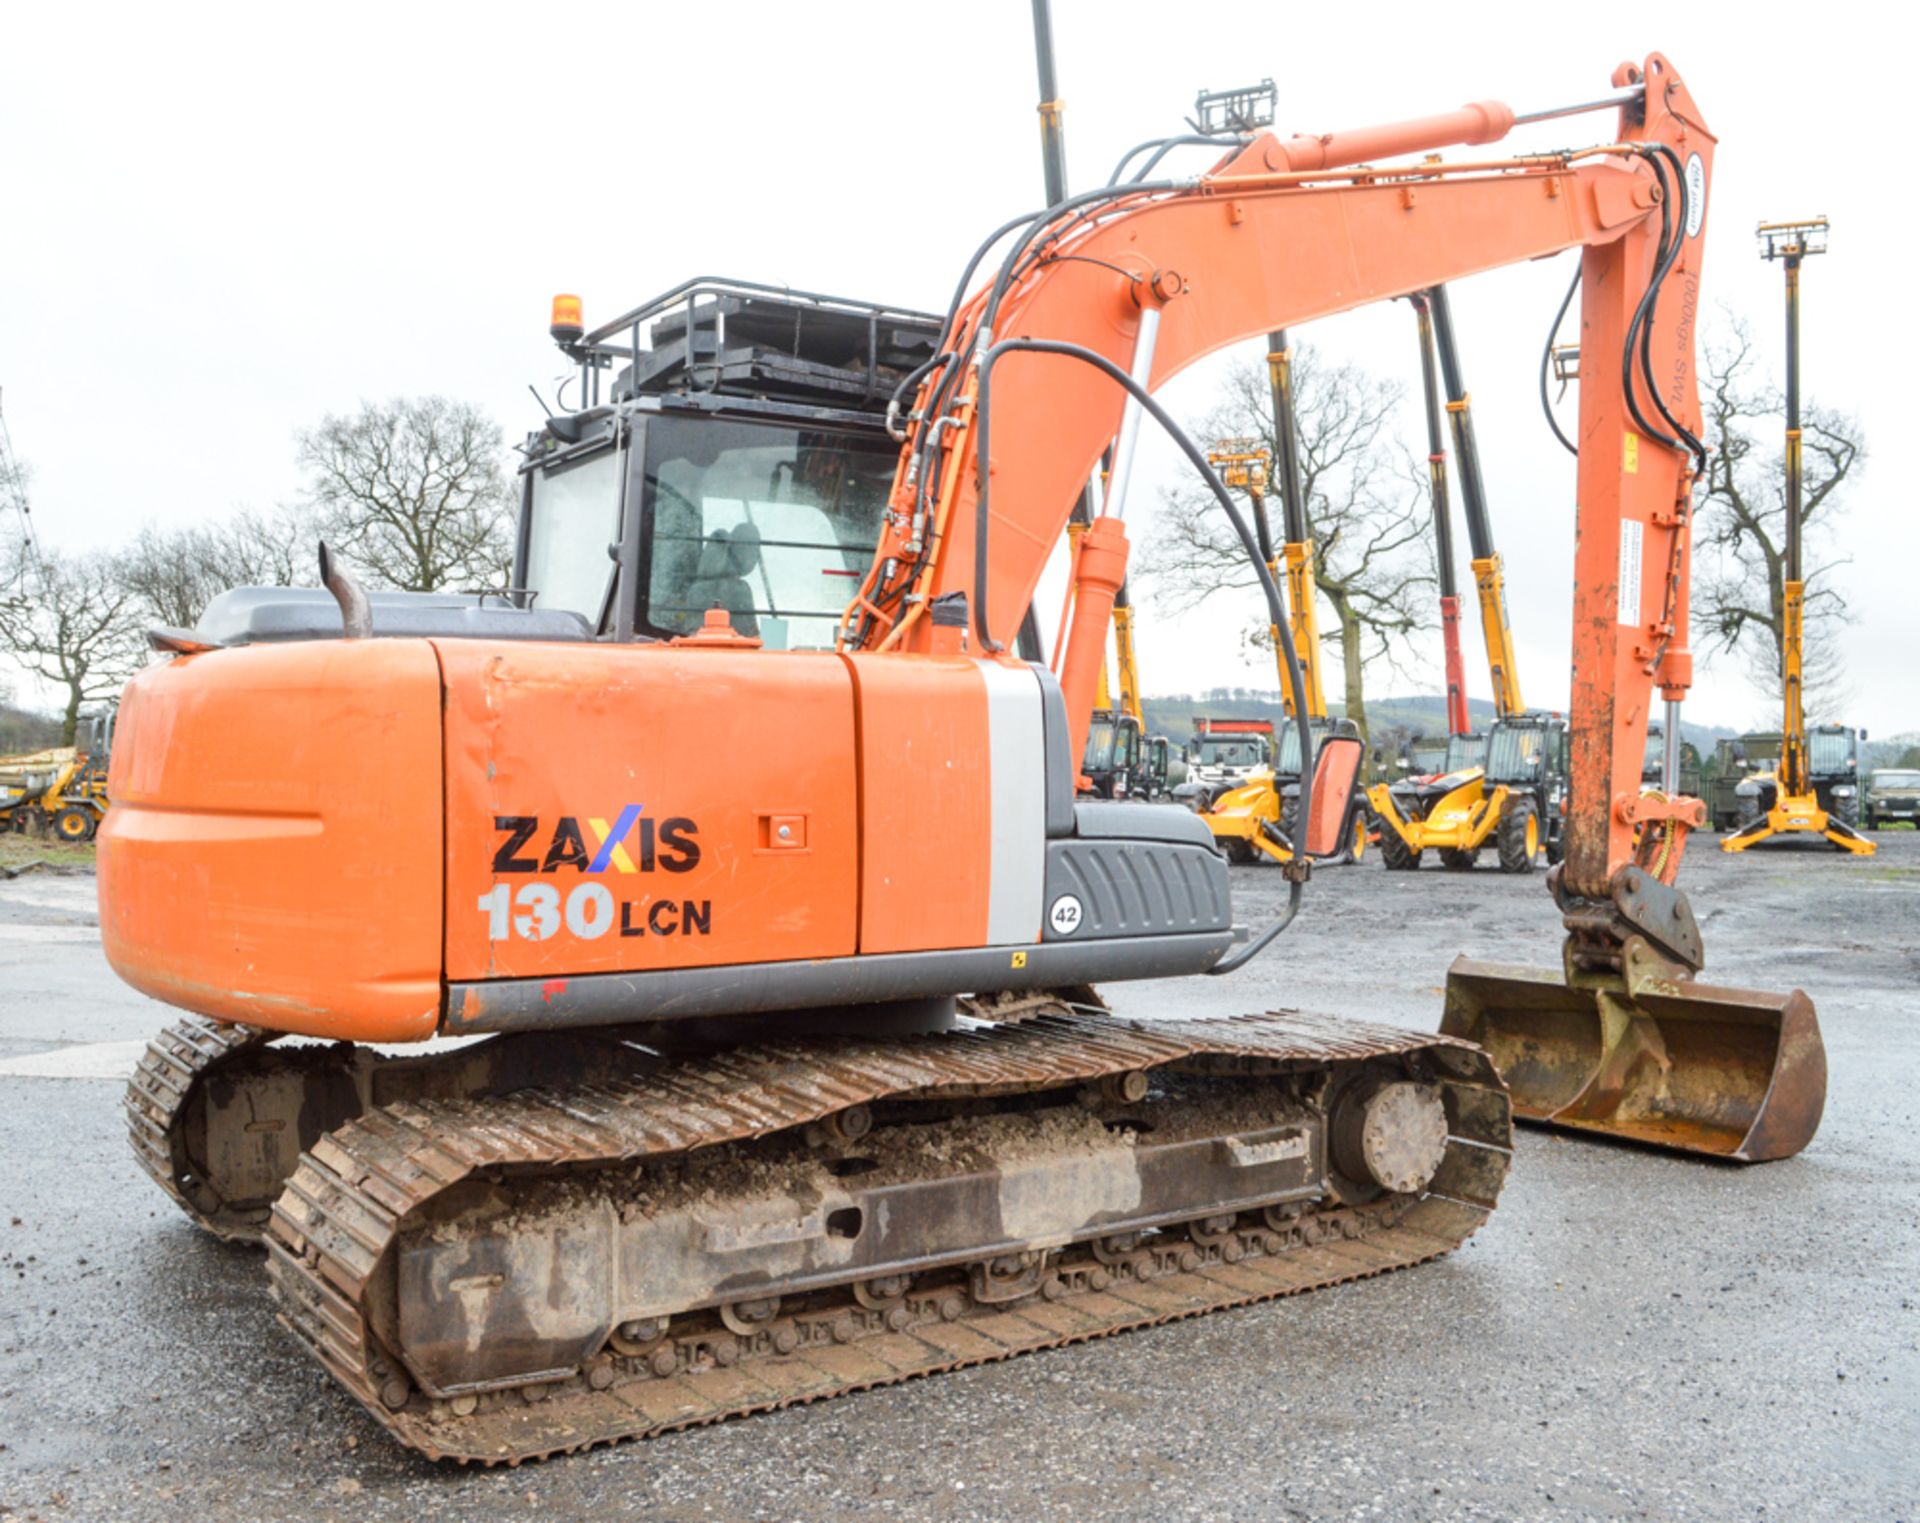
(1632, 1335)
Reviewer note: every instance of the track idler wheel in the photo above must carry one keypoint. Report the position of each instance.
(1391, 1134)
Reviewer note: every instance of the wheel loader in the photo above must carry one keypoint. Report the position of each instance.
(1512, 797)
(62, 792)
(789, 1077)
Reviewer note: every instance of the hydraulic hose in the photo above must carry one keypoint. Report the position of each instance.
(1665, 151)
(1275, 597)
(1546, 362)
(1163, 146)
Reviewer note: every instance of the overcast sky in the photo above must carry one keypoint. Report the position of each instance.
(222, 223)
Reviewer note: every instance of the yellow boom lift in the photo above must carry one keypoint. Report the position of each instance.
(1795, 805)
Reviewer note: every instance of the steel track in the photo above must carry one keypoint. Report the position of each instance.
(333, 1232)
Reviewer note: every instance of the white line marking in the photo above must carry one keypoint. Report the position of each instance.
(63, 935)
(89, 1060)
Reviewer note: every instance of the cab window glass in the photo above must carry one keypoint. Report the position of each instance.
(774, 523)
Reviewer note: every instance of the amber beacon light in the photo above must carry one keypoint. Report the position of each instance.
(566, 324)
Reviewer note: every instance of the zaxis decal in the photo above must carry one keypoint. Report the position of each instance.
(669, 844)
(538, 911)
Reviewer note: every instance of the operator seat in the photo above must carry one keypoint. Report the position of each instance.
(727, 559)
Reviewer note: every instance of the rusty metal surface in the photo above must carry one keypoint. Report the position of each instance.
(1646, 1054)
(218, 1117)
(334, 1232)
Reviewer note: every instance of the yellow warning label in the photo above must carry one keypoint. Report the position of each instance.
(1019, 959)
(1630, 454)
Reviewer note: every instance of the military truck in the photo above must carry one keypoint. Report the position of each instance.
(1654, 770)
(1744, 787)
(1893, 793)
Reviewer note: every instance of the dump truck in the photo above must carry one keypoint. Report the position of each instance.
(24, 781)
(1222, 755)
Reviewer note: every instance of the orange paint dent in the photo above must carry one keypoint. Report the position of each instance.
(926, 800)
(273, 851)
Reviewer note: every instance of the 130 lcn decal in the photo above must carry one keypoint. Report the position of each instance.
(537, 911)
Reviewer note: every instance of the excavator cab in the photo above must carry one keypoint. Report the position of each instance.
(747, 433)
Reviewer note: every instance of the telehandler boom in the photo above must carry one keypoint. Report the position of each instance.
(1454, 664)
(1789, 803)
(807, 1089)
(1260, 819)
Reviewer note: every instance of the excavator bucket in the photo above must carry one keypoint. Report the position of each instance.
(1648, 1055)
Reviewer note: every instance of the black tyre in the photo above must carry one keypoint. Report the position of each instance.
(1518, 836)
(1395, 852)
(1848, 810)
(1459, 859)
(1239, 852)
(73, 824)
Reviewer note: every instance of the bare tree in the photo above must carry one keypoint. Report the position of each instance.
(1740, 534)
(176, 573)
(416, 491)
(1365, 512)
(73, 622)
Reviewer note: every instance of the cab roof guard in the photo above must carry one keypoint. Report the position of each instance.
(683, 333)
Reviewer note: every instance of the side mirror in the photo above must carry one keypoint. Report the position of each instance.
(1334, 772)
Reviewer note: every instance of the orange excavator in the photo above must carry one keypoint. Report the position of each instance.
(794, 1080)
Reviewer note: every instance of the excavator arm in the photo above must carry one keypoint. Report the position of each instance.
(1145, 280)
(1154, 278)
(1301, 593)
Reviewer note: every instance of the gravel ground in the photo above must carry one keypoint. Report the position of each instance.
(1631, 1336)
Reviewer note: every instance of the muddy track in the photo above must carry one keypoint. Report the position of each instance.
(334, 1233)
(163, 1089)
